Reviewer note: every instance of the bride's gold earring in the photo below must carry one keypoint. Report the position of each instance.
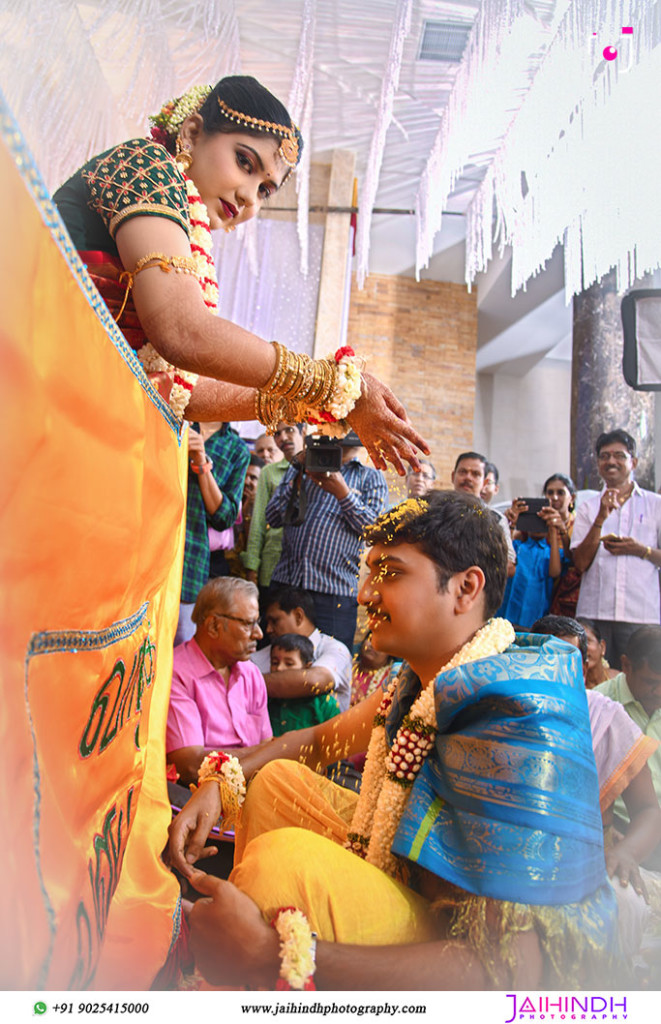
(183, 156)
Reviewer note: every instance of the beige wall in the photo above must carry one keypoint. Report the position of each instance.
(420, 338)
(522, 424)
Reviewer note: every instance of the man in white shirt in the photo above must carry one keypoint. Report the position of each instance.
(616, 544)
(290, 610)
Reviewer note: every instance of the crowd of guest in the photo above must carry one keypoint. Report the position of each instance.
(268, 642)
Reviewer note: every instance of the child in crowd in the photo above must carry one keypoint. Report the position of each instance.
(293, 651)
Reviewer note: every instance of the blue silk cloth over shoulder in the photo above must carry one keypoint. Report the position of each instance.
(507, 803)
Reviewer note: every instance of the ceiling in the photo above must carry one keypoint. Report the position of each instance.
(107, 63)
(351, 49)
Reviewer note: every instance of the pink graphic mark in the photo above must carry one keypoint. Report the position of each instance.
(609, 52)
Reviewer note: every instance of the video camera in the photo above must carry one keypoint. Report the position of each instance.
(322, 454)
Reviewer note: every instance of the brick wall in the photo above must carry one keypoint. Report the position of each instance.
(420, 338)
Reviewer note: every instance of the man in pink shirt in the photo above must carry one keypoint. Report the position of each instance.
(218, 699)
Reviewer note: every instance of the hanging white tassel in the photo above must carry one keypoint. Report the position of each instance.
(585, 146)
(390, 83)
(492, 75)
(303, 187)
(300, 108)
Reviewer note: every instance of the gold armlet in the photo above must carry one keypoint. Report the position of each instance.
(180, 264)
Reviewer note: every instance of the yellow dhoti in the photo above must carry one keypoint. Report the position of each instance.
(289, 853)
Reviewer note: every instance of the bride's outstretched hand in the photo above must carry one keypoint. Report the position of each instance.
(381, 422)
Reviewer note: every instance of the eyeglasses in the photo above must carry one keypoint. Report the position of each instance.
(248, 624)
(618, 456)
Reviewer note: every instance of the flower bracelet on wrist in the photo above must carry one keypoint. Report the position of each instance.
(298, 947)
(226, 770)
(320, 391)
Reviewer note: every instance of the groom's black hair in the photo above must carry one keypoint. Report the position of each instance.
(455, 530)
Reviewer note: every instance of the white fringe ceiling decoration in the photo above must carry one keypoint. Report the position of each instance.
(493, 75)
(81, 77)
(300, 108)
(390, 83)
(580, 163)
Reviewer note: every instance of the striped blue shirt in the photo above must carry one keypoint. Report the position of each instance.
(323, 553)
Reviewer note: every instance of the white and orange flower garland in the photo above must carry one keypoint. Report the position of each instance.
(205, 272)
(226, 770)
(201, 246)
(389, 775)
(332, 420)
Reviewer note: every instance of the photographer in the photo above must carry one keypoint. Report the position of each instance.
(324, 514)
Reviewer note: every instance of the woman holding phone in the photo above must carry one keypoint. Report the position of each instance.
(541, 550)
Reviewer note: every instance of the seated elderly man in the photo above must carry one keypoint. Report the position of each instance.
(218, 697)
(297, 696)
(473, 856)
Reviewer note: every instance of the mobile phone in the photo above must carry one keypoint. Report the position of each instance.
(530, 521)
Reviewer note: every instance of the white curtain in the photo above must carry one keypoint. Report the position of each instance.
(264, 290)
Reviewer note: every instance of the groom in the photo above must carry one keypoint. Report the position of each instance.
(498, 845)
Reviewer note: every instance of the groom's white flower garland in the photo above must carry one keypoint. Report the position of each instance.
(389, 775)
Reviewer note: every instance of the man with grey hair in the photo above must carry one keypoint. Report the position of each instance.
(218, 699)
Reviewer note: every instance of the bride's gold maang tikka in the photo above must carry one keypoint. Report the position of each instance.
(289, 147)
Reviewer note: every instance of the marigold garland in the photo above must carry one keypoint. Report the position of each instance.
(389, 774)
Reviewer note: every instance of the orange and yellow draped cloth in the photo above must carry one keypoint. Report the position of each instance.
(91, 524)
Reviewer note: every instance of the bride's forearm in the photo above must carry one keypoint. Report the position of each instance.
(214, 400)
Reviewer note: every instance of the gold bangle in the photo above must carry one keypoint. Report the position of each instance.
(269, 412)
(274, 380)
(299, 388)
(647, 557)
